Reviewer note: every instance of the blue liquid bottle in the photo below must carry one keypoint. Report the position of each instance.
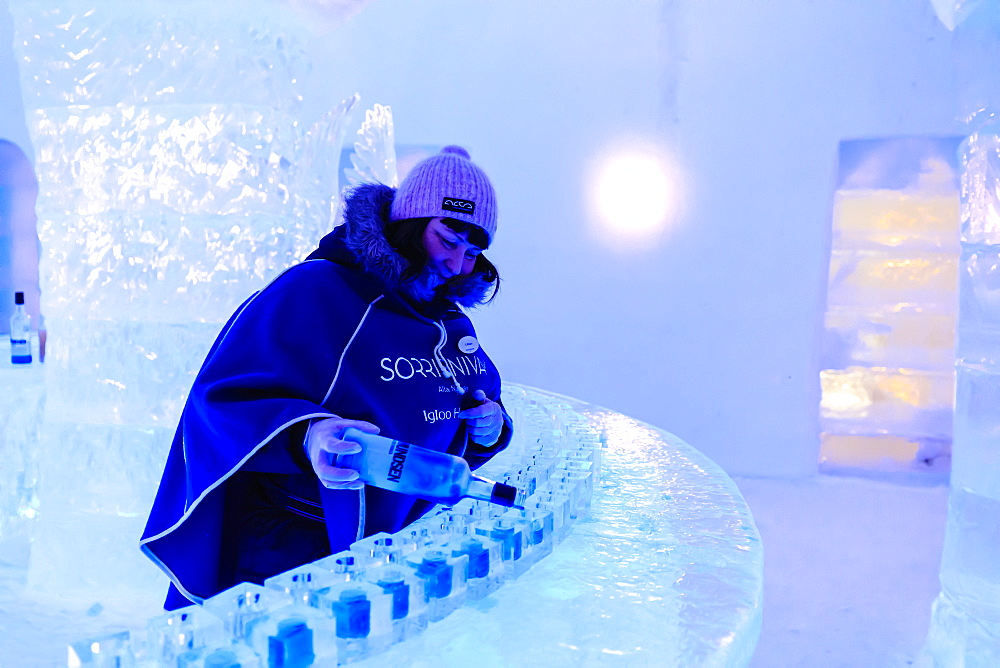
(429, 474)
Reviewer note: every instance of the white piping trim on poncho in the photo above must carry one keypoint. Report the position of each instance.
(189, 509)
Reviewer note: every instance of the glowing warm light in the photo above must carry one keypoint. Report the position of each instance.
(636, 194)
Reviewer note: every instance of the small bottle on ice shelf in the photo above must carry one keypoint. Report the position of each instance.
(429, 474)
(20, 332)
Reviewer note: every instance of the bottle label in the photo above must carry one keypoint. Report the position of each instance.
(399, 451)
(19, 348)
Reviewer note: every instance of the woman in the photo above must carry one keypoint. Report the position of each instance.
(366, 333)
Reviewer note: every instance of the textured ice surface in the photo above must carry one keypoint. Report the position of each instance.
(121, 52)
(666, 570)
(887, 359)
(965, 626)
(143, 217)
(374, 155)
(175, 180)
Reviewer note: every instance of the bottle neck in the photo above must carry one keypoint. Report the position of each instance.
(480, 488)
(495, 492)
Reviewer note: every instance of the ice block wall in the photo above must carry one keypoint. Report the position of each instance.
(887, 361)
(174, 182)
(965, 625)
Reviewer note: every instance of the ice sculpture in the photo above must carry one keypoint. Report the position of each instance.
(887, 360)
(374, 156)
(373, 159)
(175, 181)
(965, 625)
(665, 568)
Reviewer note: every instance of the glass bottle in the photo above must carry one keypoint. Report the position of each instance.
(410, 469)
(20, 332)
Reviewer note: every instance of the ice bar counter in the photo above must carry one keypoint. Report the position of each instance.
(633, 548)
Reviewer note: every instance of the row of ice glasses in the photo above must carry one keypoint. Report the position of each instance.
(386, 587)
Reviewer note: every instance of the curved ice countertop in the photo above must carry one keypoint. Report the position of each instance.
(665, 569)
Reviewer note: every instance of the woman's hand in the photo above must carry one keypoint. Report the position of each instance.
(485, 420)
(324, 441)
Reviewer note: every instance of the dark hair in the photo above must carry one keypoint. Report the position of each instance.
(407, 238)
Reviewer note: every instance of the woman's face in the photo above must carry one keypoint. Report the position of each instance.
(449, 253)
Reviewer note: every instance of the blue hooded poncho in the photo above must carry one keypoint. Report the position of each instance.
(238, 500)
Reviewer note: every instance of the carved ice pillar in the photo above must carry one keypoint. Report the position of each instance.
(174, 182)
(965, 624)
(966, 619)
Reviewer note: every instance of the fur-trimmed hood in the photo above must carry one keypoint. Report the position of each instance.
(360, 242)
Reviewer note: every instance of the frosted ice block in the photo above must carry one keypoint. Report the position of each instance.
(175, 634)
(900, 401)
(540, 530)
(409, 602)
(979, 311)
(363, 615)
(383, 548)
(889, 218)
(300, 583)
(240, 606)
(873, 278)
(485, 571)
(899, 335)
(444, 580)
(509, 534)
(108, 651)
(295, 636)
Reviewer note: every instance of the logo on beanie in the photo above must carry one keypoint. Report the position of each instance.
(458, 205)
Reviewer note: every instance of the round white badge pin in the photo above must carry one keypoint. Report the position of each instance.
(468, 344)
